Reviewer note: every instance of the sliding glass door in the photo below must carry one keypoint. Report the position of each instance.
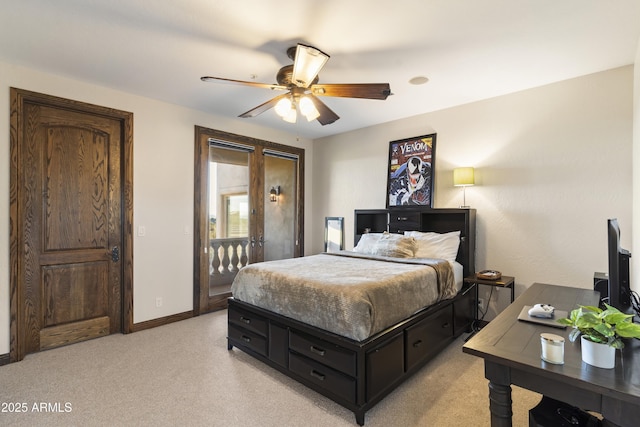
(249, 209)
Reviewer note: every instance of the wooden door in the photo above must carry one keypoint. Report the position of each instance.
(70, 226)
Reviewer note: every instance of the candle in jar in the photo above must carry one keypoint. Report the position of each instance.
(552, 348)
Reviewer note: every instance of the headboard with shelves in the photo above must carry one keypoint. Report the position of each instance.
(423, 219)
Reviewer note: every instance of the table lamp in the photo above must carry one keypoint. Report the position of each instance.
(463, 177)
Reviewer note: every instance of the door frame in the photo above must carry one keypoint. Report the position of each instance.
(202, 302)
(18, 99)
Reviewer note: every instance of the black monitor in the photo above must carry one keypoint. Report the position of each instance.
(619, 287)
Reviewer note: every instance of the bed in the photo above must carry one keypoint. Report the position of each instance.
(353, 325)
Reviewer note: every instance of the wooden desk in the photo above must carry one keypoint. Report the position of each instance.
(511, 352)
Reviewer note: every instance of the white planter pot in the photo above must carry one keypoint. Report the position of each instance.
(598, 355)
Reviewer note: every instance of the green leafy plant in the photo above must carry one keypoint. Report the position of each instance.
(607, 326)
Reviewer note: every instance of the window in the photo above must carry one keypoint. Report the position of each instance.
(237, 215)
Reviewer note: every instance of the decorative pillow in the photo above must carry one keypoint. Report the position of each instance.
(436, 245)
(367, 243)
(395, 245)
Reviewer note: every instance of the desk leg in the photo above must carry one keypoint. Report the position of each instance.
(500, 405)
(499, 377)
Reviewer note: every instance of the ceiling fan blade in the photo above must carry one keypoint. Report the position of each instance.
(327, 116)
(353, 90)
(264, 106)
(307, 64)
(242, 82)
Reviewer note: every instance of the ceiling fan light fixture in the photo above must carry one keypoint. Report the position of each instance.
(286, 109)
(283, 107)
(308, 109)
(307, 64)
(300, 80)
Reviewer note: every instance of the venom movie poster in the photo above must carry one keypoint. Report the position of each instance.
(411, 172)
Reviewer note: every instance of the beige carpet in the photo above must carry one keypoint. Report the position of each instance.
(182, 374)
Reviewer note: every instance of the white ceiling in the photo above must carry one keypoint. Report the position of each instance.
(469, 49)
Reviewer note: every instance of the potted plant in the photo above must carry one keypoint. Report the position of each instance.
(602, 332)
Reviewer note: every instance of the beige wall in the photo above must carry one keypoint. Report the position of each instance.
(553, 163)
(163, 187)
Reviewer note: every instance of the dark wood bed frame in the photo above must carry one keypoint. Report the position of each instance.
(358, 374)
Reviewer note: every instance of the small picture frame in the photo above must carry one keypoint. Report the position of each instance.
(411, 172)
(333, 233)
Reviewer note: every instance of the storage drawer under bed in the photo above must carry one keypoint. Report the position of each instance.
(428, 336)
(248, 320)
(323, 352)
(248, 338)
(329, 379)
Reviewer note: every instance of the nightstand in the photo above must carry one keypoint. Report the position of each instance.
(503, 282)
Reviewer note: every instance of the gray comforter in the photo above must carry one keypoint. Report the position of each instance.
(346, 293)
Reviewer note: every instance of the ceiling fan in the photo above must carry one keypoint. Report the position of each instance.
(300, 81)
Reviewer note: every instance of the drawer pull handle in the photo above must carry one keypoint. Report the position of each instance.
(245, 320)
(317, 375)
(316, 350)
(445, 325)
(246, 338)
(417, 343)
(402, 218)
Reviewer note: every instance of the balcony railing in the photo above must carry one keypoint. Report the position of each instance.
(226, 258)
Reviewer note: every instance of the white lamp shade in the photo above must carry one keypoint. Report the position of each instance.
(286, 109)
(308, 109)
(283, 107)
(463, 177)
(307, 64)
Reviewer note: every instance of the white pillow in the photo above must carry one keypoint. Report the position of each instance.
(367, 243)
(395, 245)
(436, 245)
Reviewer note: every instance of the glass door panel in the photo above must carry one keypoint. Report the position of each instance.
(228, 205)
(280, 205)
